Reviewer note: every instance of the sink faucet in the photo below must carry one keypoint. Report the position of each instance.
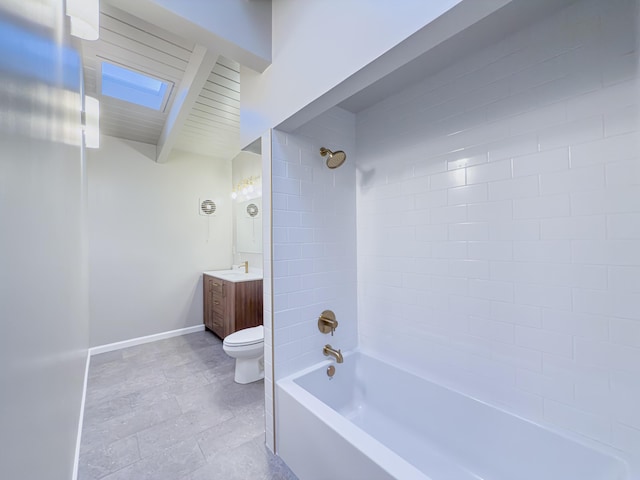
(245, 264)
(329, 350)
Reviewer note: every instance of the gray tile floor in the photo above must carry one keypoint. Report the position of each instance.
(170, 410)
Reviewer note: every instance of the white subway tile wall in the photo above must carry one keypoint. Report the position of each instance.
(499, 223)
(314, 240)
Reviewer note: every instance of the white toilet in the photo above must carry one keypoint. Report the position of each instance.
(247, 347)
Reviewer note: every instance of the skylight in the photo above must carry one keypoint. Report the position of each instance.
(133, 87)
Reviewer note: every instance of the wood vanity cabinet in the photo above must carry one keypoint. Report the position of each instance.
(231, 306)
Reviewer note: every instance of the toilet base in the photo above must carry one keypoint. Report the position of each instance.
(249, 370)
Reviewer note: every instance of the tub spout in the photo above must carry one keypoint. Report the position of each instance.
(329, 350)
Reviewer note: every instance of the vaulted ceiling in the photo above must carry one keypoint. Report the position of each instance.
(211, 124)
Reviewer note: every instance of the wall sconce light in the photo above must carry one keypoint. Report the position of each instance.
(91, 122)
(85, 18)
(247, 188)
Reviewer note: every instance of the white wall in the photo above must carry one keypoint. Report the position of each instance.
(314, 241)
(43, 264)
(148, 244)
(43, 306)
(246, 24)
(498, 223)
(317, 44)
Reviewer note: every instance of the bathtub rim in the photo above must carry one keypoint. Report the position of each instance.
(631, 463)
(383, 456)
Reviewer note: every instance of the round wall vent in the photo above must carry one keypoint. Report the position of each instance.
(252, 210)
(207, 207)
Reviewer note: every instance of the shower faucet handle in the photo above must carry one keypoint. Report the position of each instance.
(327, 322)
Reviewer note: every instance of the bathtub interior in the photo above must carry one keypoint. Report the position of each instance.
(339, 392)
(449, 435)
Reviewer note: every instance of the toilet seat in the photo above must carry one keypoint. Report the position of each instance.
(245, 337)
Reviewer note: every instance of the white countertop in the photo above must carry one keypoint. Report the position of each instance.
(235, 275)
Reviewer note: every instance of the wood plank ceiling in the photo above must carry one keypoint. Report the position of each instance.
(213, 125)
(214, 122)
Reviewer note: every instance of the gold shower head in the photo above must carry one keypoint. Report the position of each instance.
(335, 159)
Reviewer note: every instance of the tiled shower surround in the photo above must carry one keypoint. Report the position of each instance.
(499, 223)
(497, 205)
(314, 245)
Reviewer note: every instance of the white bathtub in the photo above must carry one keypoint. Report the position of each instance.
(374, 421)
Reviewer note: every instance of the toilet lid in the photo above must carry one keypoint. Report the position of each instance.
(246, 336)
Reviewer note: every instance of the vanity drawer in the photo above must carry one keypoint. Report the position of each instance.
(217, 320)
(217, 304)
(216, 286)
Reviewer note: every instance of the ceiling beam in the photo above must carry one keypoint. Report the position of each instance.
(195, 76)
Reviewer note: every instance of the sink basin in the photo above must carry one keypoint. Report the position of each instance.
(235, 275)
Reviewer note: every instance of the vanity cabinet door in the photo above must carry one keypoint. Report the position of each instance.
(248, 305)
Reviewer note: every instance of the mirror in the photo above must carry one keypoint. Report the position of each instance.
(249, 226)
(246, 172)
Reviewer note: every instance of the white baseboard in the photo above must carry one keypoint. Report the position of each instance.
(76, 459)
(140, 340)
